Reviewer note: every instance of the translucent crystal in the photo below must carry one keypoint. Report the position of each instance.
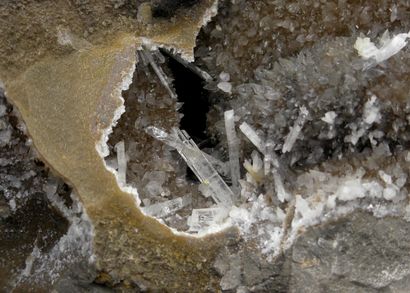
(279, 187)
(166, 208)
(195, 69)
(225, 86)
(388, 46)
(329, 117)
(224, 76)
(122, 162)
(147, 56)
(204, 218)
(295, 130)
(371, 112)
(270, 159)
(255, 169)
(233, 146)
(197, 161)
(221, 167)
(251, 134)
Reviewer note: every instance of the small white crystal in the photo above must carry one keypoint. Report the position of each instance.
(371, 113)
(309, 214)
(163, 209)
(225, 87)
(197, 161)
(407, 157)
(390, 192)
(35, 253)
(256, 168)
(2, 110)
(280, 188)
(251, 134)
(295, 130)
(351, 189)
(224, 76)
(356, 134)
(50, 188)
(375, 190)
(205, 190)
(393, 14)
(280, 214)
(388, 46)
(195, 69)
(331, 201)
(12, 204)
(5, 136)
(233, 147)
(385, 177)
(205, 218)
(155, 181)
(329, 117)
(122, 162)
(159, 72)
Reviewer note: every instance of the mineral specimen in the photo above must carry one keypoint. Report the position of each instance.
(196, 146)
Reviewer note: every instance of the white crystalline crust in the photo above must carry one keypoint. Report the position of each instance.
(388, 47)
(102, 147)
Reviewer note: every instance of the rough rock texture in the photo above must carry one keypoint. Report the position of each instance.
(355, 254)
(65, 65)
(27, 218)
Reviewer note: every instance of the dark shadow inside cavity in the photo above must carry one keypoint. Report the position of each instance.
(189, 88)
(168, 8)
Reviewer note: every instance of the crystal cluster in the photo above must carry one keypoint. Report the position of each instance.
(311, 124)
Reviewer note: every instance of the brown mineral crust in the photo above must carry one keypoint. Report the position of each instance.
(28, 29)
(63, 103)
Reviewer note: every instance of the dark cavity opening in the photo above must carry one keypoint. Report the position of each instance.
(168, 8)
(190, 90)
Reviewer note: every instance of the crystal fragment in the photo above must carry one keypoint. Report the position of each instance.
(221, 167)
(195, 69)
(225, 86)
(255, 169)
(155, 180)
(295, 130)
(158, 71)
(166, 208)
(270, 157)
(233, 146)
(197, 161)
(371, 113)
(388, 46)
(329, 117)
(224, 76)
(122, 162)
(205, 218)
(251, 134)
(279, 187)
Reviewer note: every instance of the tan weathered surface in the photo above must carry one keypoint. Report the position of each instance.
(28, 29)
(66, 100)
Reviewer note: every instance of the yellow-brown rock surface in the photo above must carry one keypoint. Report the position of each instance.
(67, 97)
